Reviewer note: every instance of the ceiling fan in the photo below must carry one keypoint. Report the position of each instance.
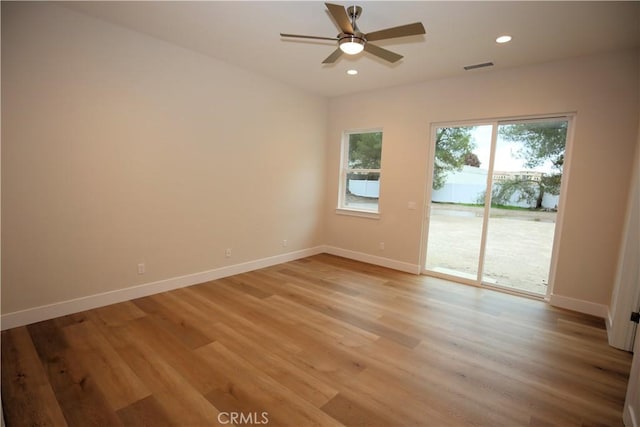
(352, 41)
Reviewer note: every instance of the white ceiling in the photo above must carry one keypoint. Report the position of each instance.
(246, 34)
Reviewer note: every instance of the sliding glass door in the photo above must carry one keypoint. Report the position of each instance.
(457, 200)
(503, 237)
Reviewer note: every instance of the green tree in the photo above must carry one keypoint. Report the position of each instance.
(453, 149)
(365, 150)
(541, 142)
(503, 191)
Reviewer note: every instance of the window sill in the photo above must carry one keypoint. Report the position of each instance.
(359, 213)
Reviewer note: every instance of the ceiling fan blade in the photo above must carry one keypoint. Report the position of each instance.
(333, 57)
(401, 31)
(385, 54)
(298, 36)
(340, 16)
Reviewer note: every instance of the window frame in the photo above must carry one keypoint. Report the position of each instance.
(342, 208)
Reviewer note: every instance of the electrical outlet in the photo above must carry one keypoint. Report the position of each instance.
(284, 243)
(141, 268)
(227, 252)
(381, 246)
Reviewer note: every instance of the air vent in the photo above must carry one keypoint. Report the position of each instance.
(473, 67)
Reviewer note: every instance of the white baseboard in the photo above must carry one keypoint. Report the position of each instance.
(372, 259)
(620, 331)
(629, 417)
(51, 311)
(608, 322)
(582, 306)
(609, 319)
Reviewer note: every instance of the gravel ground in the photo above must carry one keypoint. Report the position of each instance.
(519, 243)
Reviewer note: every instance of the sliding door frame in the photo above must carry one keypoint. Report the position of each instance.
(570, 117)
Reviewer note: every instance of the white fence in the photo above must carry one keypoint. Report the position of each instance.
(465, 186)
(468, 185)
(364, 187)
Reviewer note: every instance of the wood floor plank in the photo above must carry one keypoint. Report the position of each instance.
(343, 332)
(145, 412)
(118, 314)
(322, 283)
(294, 378)
(396, 403)
(272, 338)
(183, 404)
(347, 315)
(351, 413)
(24, 382)
(117, 382)
(173, 320)
(167, 348)
(297, 313)
(80, 399)
(317, 341)
(283, 406)
(319, 353)
(245, 286)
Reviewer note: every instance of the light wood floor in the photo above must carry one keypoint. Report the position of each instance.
(318, 341)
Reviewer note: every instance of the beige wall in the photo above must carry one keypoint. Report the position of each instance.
(602, 90)
(119, 149)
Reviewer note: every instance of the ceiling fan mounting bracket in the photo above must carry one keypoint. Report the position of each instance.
(354, 12)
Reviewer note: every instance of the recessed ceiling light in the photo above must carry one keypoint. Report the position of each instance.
(352, 72)
(503, 39)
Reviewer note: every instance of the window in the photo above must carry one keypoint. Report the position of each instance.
(360, 172)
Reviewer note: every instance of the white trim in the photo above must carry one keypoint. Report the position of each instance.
(451, 278)
(625, 296)
(631, 413)
(582, 306)
(564, 186)
(628, 411)
(503, 119)
(50, 311)
(373, 259)
(609, 322)
(488, 194)
(360, 213)
(483, 285)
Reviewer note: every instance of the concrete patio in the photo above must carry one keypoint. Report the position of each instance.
(519, 244)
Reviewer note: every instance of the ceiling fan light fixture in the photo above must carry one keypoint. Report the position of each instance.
(351, 45)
